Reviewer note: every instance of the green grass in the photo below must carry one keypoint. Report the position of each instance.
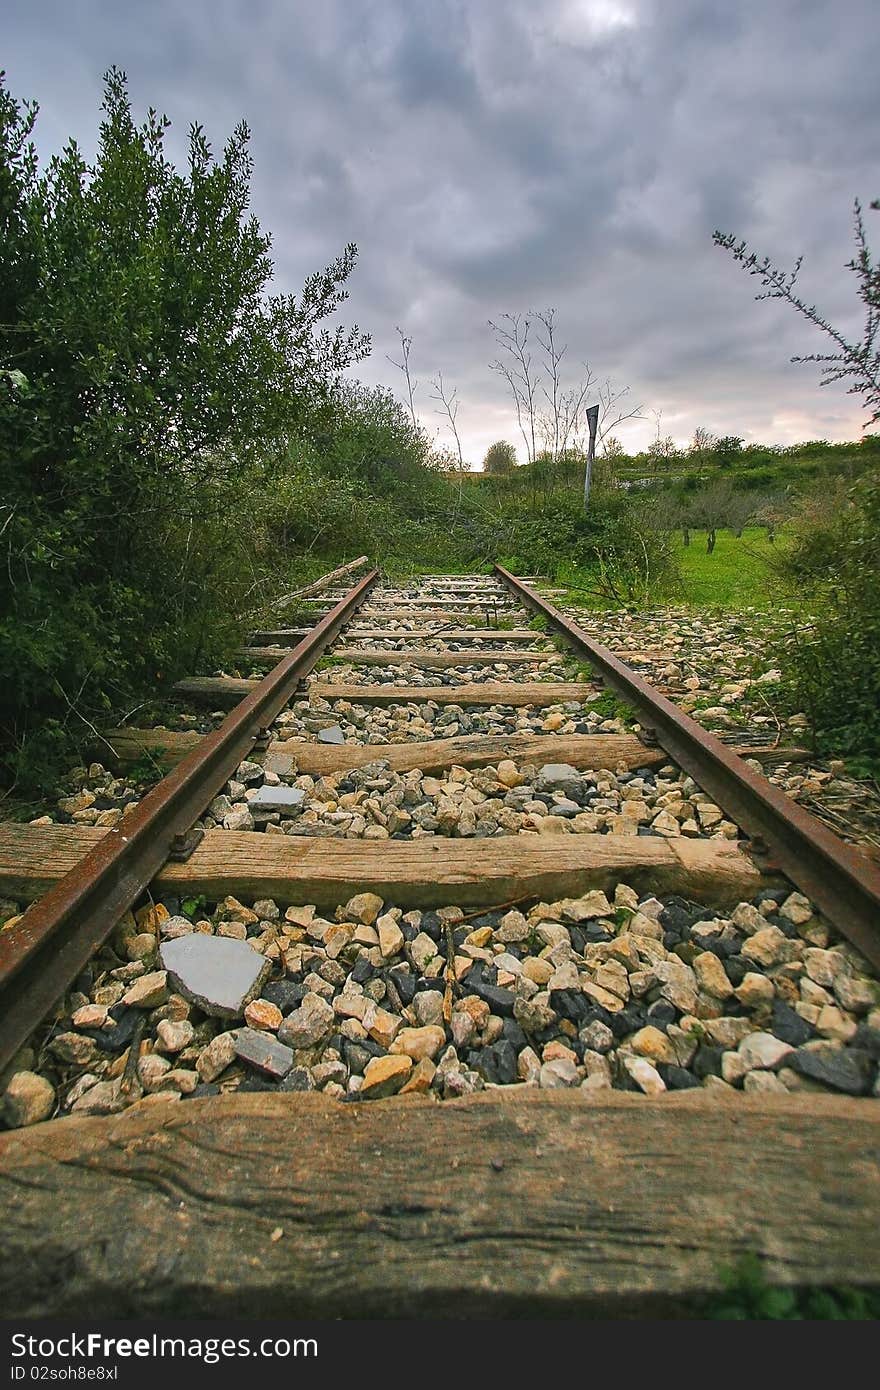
(738, 573)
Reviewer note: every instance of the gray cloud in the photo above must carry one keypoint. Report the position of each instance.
(500, 157)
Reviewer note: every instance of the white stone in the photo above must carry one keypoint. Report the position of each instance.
(763, 1051)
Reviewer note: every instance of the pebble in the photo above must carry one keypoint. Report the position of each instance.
(29, 1098)
(308, 1024)
(262, 1014)
(174, 1036)
(262, 1051)
(608, 989)
(216, 1056)
(384, 1076)
(148, 991)
(419, 1043)
(762, 1051)
(645, 1076)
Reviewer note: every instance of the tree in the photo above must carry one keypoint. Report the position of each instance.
(500, 458)
(855, 362)
(715, 506)
(702, 444)
(449, 403)
(515, 366)
(561, 425)
(662, 451)
(727, 448)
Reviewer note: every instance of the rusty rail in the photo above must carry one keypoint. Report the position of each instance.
(56, 936)
(843, 883)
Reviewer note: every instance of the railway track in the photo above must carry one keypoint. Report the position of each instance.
(414, 861)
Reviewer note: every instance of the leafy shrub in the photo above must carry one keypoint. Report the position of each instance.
(149, 384)
(500, 458)
(834, 658)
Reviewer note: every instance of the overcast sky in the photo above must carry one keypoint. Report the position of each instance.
(494, 156)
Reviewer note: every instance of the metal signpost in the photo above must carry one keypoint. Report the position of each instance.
(593, 422)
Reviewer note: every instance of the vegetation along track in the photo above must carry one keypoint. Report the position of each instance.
(446, 863)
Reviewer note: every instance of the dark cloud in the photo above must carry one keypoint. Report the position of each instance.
(576, 153)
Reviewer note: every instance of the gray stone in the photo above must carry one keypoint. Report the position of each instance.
(298, 1079)
(332, 735)
(277, 799)
(262, 1051)
(308, 1024)
(558, 777)
(428, 1007)
(558, 1074)
(218, 973)
(597, 1036)
(842, 1069)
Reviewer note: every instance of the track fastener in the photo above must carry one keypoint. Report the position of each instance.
(184, 846)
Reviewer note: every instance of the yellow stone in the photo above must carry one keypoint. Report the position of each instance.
(481, 937)
(420, 1078)
(260, 1013)
(418, 1043)
(653, 1043)
(384, 1076)
(539, 971)
(149, 919)
(383, 1027)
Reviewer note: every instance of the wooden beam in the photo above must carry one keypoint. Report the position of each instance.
(439, 614)
(168, 746)
(517, 694)
(440, 632)
(215, 690)
(414, 656)
(509, 1203)
(463, 604)
(429, 872)
(469, 750)
(282, 636)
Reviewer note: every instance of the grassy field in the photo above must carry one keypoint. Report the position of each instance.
(738, 573)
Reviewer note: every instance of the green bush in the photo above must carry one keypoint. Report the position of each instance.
(834, 655)
(500, 458)
(148, 384)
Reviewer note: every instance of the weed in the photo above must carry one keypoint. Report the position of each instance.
(747, 1296)
(610, 707)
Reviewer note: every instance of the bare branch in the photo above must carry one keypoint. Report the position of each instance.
(518, 372)
(411, 386)
(450, 403)
(857, 362)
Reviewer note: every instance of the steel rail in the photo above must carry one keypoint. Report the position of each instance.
(58, 934)
(842, 882)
